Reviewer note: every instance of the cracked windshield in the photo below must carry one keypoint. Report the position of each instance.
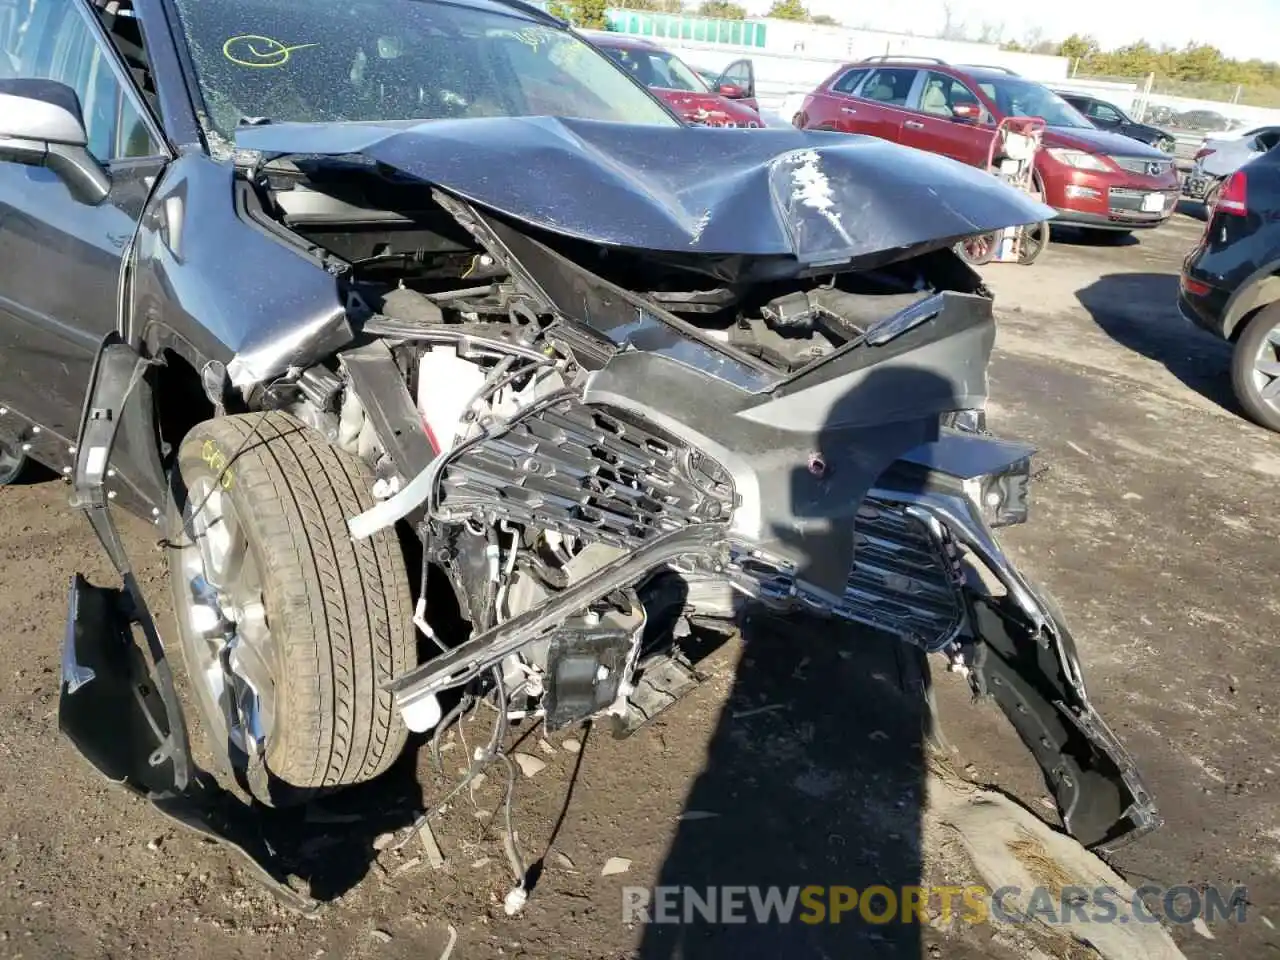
(337, 60)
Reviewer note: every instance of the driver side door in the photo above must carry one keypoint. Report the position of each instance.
(60, 257)
(741, 74)
(1106, 116)
(936, 128)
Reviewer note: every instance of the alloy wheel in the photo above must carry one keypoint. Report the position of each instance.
(223, 623)
(1266, 369)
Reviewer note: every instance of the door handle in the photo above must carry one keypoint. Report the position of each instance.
(848, 110)
(913, 124)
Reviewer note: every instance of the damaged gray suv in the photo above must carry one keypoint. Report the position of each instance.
(421, 323)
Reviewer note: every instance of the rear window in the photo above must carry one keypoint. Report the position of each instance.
(889, 86)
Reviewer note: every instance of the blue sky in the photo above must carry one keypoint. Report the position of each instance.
(1240, 28)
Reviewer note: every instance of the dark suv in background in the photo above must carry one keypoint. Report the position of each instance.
(1093, 178)
(1230, 283)
(1107, 116)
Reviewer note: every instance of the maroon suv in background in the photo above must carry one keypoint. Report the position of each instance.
(728, 102)
(1093, 178)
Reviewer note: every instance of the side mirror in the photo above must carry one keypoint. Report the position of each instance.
(969, 112)
(731, 91)
(41, 126)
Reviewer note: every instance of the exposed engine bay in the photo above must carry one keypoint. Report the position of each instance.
(580, 532)
(605, 447)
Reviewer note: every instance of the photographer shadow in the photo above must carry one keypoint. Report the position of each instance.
(817, 768)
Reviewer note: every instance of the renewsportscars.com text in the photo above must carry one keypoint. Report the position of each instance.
(916, 904)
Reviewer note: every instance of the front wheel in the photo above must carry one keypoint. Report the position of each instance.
(288, 627)
(1255, 368)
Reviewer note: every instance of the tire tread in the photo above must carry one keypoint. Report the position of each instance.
(339, 610)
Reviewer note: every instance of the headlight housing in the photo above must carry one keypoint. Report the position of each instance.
(1079, 159)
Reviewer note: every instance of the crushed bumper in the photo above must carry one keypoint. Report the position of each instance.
(1017, 650)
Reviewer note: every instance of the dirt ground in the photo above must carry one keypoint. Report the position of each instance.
(798, 761)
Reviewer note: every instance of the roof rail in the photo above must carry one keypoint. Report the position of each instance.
(534, 11)
(988, 66)
(884, 57)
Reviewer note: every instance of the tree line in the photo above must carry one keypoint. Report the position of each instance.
(1199, 62)
(590, 13)
(1195, 70)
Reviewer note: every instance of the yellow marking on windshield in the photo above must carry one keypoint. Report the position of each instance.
(532, 37)
(253, 50)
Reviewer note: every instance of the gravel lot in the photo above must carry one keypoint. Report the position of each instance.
(1156, 527)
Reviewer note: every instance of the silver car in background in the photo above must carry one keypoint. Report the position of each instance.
(1221, 154)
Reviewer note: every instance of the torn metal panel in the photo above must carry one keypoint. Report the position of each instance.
(123, 715)
(289, 347)
(823, 199)
(118, 703)
(117, 424)
(217, 273)
(802, 462)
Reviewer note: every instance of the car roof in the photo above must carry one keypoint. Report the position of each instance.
(904, 63)
(603, 38)
(977, 72)
(990, 73)
(519, 7)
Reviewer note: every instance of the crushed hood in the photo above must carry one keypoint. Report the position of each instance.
(825, 199)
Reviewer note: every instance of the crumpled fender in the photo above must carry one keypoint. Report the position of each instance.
(117, 701)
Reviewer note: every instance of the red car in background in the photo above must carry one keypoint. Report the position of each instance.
(1093, 178)
(729, 102)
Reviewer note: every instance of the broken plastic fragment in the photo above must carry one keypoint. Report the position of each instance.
(515, 900)
(421, 714)
(399, 506)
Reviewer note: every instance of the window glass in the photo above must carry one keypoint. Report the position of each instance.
(1016, 97)
(657, 68)
(368, 60)
(1100, 111)
(889, 86)
(739, 74)
(849, 82)
(941, 94)
(50, 40)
